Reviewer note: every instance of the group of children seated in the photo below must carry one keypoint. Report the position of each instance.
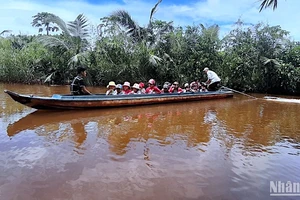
(138, 88)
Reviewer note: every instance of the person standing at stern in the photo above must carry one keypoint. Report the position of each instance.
(213, 80)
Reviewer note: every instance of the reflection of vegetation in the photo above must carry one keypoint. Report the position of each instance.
(123, 50)
(255, 124)
(258, 125)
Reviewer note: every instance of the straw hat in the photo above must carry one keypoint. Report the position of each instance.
(126, 83)
(111, 83)
(136, 86)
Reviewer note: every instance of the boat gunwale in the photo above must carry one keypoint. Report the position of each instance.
(103, 97)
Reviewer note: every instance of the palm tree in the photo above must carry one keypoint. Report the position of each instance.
(44, 19)
(268, 3)
(123, 19)
(144, 37)
(72, 42)
(75, 37)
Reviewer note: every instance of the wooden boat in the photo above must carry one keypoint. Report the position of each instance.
(68, 102)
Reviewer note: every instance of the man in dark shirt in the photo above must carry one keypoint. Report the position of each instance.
(77, 85)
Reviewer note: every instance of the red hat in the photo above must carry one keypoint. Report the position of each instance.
(141, 84)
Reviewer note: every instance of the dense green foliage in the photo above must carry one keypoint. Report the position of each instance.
(257, 58)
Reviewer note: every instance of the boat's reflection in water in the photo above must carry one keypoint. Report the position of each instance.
(214, 149)
(162, 123)
(194, 123)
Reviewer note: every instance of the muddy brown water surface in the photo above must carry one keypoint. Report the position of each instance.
(216, 149)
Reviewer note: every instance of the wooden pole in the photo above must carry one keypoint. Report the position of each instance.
(239, 92)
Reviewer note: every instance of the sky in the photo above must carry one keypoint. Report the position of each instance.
(16, 15)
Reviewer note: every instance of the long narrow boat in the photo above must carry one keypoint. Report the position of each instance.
(68, 102)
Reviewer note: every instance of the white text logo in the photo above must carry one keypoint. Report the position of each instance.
(278, 188)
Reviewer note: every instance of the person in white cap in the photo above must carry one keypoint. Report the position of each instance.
(213, 80)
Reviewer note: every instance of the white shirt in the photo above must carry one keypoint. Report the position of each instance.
(111, 92)
(212, 76)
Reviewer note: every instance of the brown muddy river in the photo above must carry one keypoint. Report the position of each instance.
(216, 149)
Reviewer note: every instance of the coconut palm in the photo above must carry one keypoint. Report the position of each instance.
(268, 3)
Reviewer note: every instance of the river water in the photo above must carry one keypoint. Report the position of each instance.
(216, 149)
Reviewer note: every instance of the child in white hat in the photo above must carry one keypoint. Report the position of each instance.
(111, 88)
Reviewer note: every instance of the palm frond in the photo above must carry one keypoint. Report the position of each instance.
(48, 78)
(154, 60)
(78, 58)
(123, 18)
(270, 61)
(78, 27)
(153, 10)
(5, 31)
(60, 23)
(203, 28)
(51, 41)
(213, 31)
(167, 27)
(268, 3)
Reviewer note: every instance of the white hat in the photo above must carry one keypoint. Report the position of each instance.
(126, 83)
(136, 86)
(205, 69)
(111, 83)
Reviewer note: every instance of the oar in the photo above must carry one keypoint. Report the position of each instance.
(239, 92)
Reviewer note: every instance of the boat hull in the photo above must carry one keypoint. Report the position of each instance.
(68, 102)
